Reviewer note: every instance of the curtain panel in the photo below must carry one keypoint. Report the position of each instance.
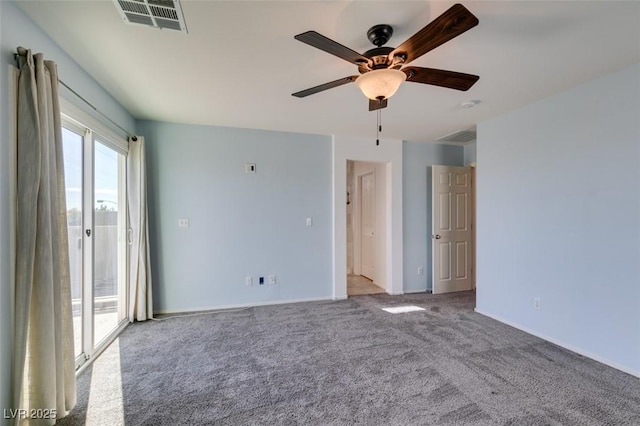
(140, 295)
(44, 369)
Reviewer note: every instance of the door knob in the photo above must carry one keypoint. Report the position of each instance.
(437, 237)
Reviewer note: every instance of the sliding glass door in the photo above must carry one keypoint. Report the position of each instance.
(109, 232)
(96, 226)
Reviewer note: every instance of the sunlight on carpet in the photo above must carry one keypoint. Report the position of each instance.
(403, 309)
(106, 381)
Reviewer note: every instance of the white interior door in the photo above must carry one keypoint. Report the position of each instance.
(452, 232)
(368, 225)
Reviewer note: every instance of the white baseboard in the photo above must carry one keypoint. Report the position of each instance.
(572, 348)
(241, 305)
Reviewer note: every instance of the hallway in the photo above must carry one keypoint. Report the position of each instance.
(358, 285)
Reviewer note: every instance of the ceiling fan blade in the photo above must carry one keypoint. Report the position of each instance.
(321, 42)
(443, 78)
(325, 86)
(375, 104)
(455, 21)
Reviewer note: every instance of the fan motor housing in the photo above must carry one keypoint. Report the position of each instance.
(379, 57)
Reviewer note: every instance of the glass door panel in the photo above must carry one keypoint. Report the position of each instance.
(107, 229)
(72, 150)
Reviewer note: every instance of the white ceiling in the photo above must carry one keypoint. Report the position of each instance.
(239, 63)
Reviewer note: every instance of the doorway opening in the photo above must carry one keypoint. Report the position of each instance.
(366, 228)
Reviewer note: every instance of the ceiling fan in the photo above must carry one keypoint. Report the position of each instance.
(380, 68)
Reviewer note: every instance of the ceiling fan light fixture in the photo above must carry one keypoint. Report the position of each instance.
(380, 84)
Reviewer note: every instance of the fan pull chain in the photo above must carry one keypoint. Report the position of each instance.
(379, 126)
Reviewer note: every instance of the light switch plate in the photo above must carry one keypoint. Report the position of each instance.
(183, 223)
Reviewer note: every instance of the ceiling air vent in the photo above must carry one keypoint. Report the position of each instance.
(461, 136)
(153, 13)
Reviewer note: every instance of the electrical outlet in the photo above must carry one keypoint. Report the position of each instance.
(421, 271)
(183, 223)
(248, 281)
(261, 280)
(537, 303)
(272, 280)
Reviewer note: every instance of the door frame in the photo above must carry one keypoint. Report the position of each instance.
(473, 224)
(389, 151)
(96, 132)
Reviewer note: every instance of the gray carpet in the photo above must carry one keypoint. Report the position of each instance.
(348, 362)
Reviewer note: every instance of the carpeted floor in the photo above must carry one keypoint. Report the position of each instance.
(348, 362)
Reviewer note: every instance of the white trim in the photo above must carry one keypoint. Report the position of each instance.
(357, 226)
(243, 305)
(88, 210)
(116, 140)
(564, 345)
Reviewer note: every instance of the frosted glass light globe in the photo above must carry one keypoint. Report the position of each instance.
(381, 83)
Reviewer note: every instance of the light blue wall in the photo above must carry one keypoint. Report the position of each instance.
(558, 209)
(18, 30)
(417, 159)
(240, 224)
(470, 153)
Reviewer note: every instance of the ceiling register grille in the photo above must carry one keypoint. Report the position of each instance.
(154, 13)
(462, 136)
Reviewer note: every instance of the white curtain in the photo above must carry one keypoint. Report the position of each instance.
(44, 368)
(140, 297)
